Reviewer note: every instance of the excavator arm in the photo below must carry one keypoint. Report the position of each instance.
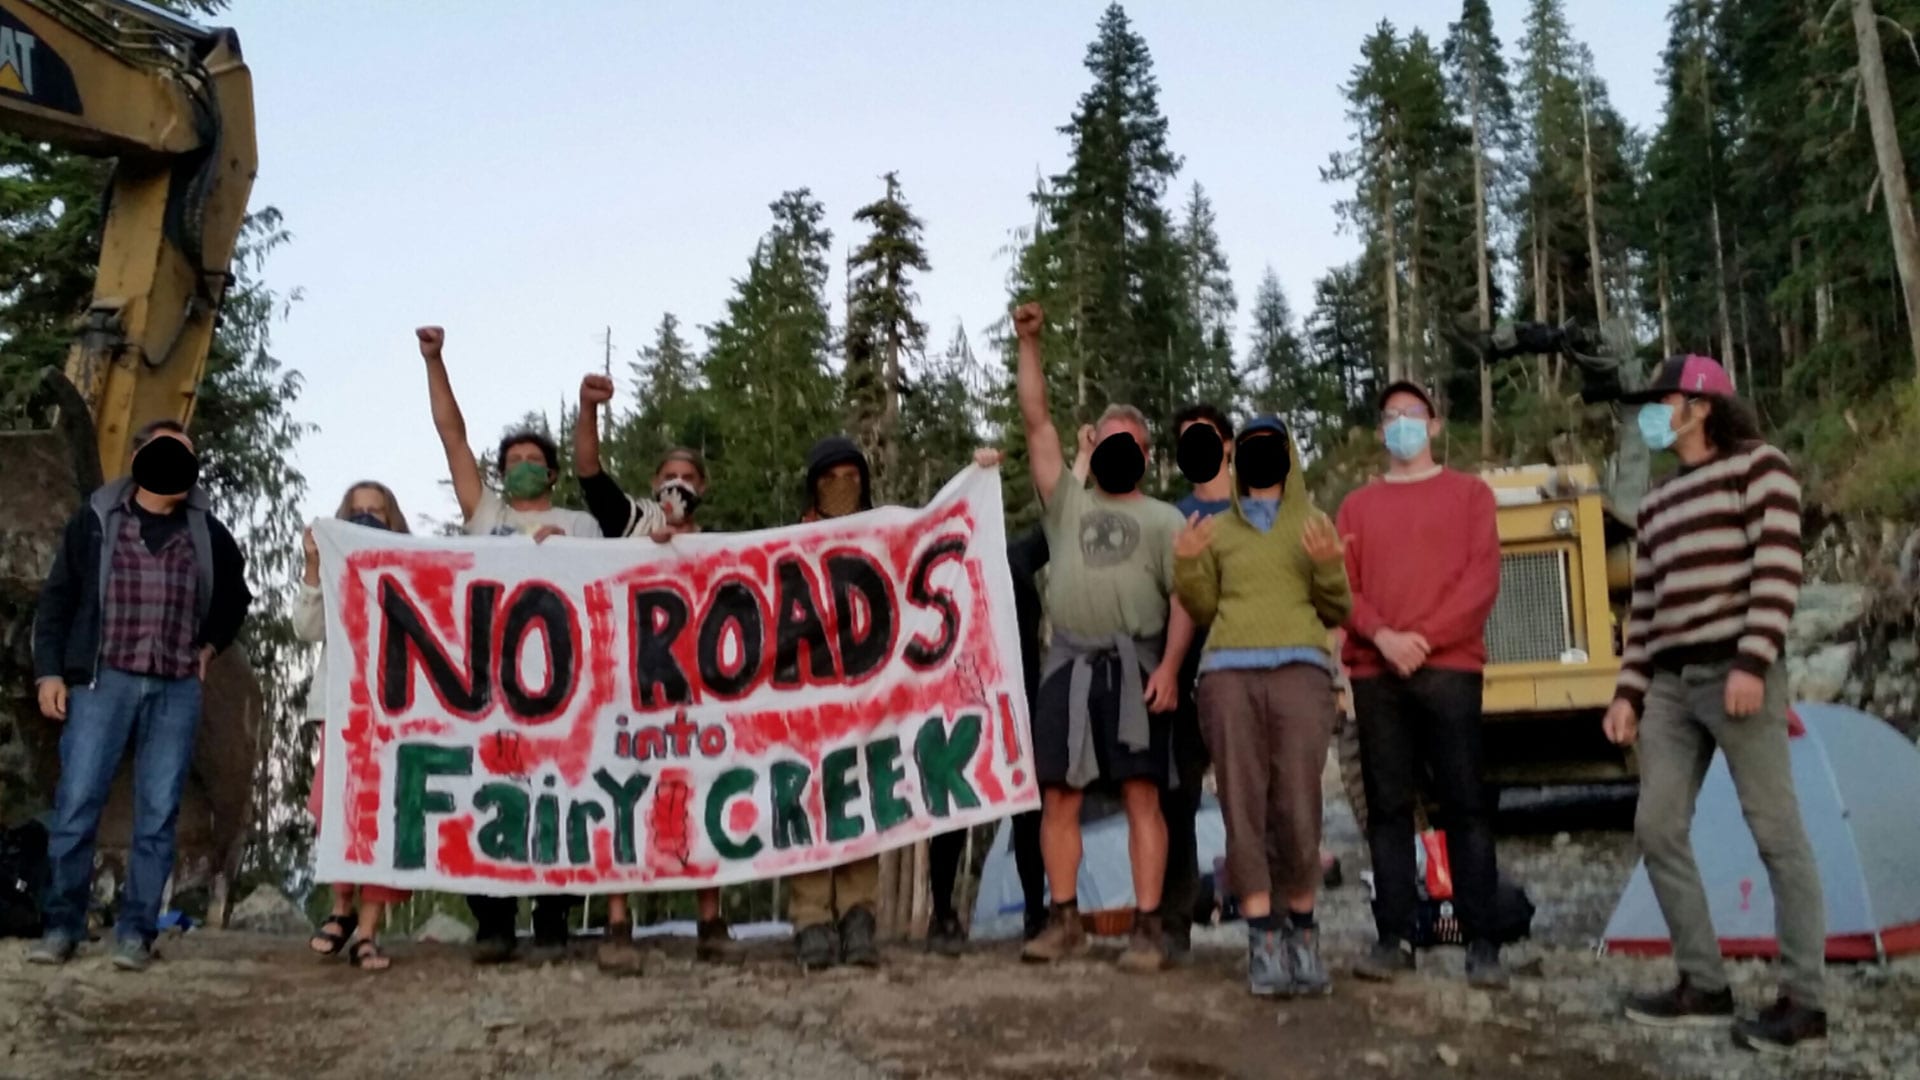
(172, 103)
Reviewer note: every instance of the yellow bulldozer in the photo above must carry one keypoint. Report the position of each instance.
(1566, 576)
(171, 103)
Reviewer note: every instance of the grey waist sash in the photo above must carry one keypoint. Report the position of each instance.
(1083, 766)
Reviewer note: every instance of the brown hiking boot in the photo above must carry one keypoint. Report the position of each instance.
(1063, 937)
(714, 943)
(1147, 952)
(619, 954)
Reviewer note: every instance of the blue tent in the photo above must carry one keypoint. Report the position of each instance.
(1858, 782)
(1106, 875)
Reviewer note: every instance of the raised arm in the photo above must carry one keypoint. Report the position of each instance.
(1043, 442)
(595, 391)
(464, 471)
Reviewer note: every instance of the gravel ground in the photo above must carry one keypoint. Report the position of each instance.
(229, 1004)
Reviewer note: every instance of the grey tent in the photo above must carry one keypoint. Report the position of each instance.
(1858, 782)
(1106, 875)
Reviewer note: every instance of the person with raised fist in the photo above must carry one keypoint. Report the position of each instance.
(528, 465)
(679, 486)
(1112, 669)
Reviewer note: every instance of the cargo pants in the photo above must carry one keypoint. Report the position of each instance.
(822, 897)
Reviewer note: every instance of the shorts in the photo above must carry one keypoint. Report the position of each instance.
(1117, 763)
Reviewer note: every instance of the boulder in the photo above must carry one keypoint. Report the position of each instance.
(1823, 675)
(444, 929)
(1824, 613)
(267, 910)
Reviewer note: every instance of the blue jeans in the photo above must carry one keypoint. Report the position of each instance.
(159, 717)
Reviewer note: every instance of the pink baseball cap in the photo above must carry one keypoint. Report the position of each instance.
(1700, 375)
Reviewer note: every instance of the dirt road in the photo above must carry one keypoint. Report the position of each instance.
(223, 1004)
(234, 1005)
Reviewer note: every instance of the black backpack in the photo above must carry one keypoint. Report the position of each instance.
(23, 878)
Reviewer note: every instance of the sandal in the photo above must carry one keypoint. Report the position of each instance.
(334, 934)
(366, 956)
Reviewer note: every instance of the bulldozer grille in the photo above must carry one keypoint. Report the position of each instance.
(1533, 618)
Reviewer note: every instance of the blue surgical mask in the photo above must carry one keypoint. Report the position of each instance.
(1406, 438)
(1656, 425)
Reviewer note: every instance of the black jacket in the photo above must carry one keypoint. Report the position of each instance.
(66, 624)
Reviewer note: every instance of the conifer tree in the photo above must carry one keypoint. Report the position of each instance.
(1374, 164)
(1286, 379)
(883, 335)
(1477, 77)
(771, 392)
(1210, 307)
(1106, 260)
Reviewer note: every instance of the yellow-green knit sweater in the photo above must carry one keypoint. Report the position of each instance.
(1261, 590)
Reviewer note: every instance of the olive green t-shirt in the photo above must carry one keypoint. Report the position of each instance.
(1111, 568)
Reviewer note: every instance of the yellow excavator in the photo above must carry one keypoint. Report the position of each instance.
(171, 103)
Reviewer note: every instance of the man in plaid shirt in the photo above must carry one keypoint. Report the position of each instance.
(146, 588)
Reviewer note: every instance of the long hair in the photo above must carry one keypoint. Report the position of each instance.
(1731, 424)
(396, 521)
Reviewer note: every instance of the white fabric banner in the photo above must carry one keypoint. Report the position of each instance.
(510, 718)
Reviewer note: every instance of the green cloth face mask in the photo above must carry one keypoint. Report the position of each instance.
(527, 480)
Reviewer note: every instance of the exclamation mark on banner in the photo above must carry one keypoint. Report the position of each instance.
(1746, 894)
(1010, 739)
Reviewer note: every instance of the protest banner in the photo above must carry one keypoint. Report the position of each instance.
(511, 718)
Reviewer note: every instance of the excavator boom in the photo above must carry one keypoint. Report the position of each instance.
(172, 103)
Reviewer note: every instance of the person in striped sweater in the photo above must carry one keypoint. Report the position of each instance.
(1716, 578)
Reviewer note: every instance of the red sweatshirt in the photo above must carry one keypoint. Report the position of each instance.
(1424, 558)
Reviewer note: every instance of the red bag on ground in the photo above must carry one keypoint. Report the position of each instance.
(1439, 872)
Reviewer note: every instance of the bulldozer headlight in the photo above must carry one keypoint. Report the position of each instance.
(1563, 521)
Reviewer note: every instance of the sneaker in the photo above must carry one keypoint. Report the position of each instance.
(619, 954)
(1484, 970)
(132, 955)
(1063, 936)
(1389, 959)
(1308, 973)
(52, 950)
(1682, 1006)
(488, 951)
(1781, 1027)
(1267, 974)
(816, 947)
(857, 945)
(1147, 952)
(946, 936)
(714, 943)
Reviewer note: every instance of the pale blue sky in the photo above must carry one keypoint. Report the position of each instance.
(528, 173)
